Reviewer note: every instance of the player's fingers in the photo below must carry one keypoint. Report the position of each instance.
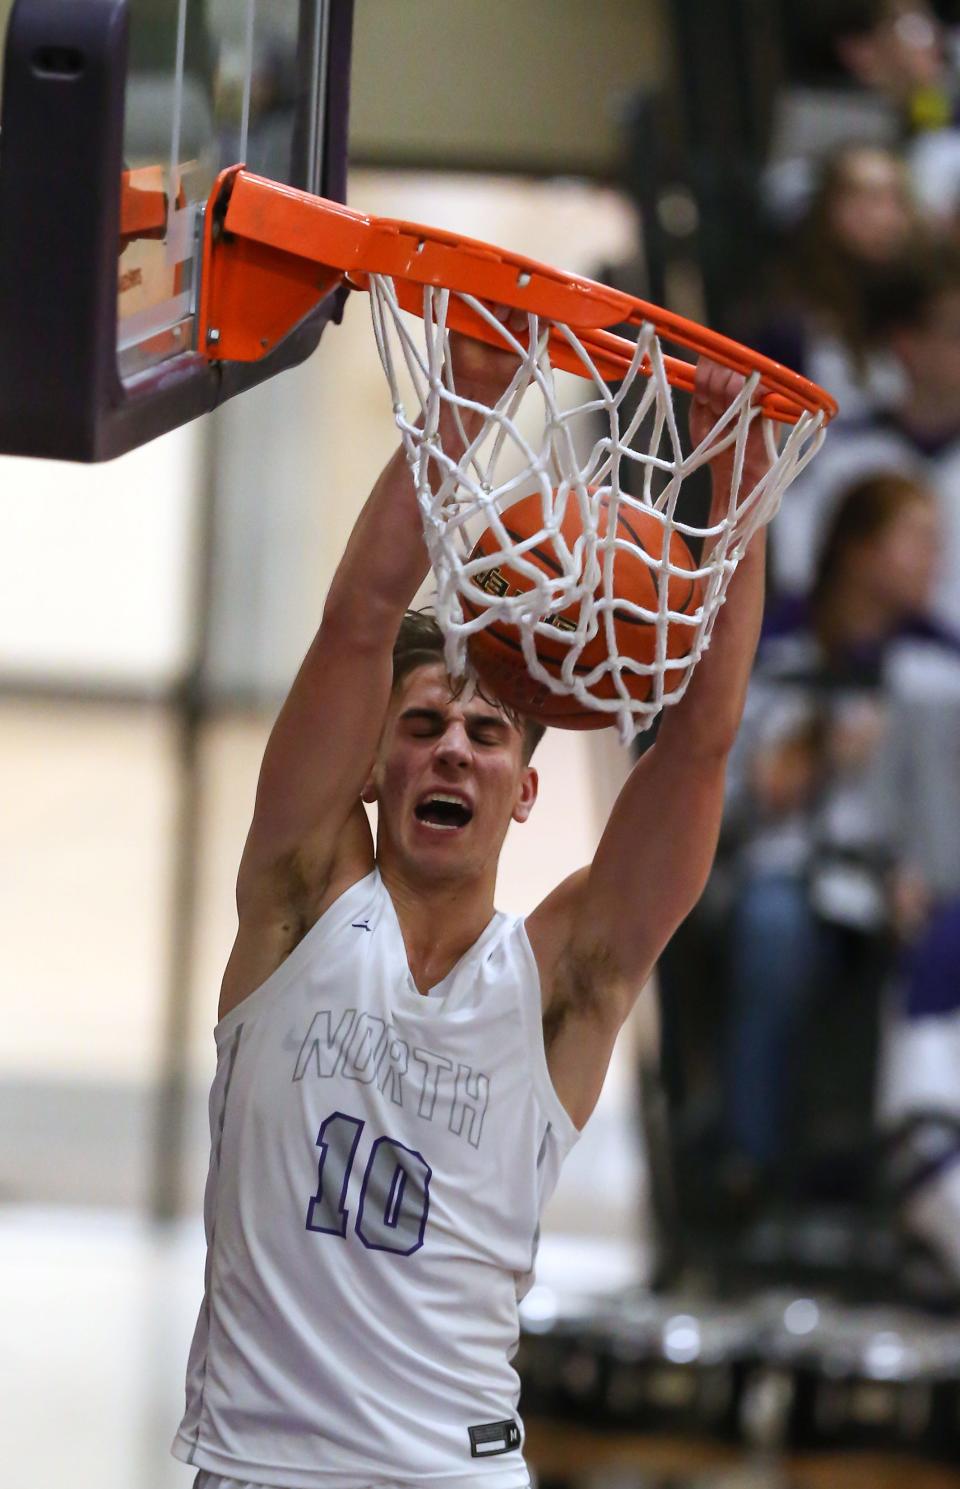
(514, 320)
(731, 386)
(715, 386)
(710, 386)
(701, 379)
(722, 388)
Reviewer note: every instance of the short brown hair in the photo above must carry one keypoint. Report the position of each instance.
(420, 643)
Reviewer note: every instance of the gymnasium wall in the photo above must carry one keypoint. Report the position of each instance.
(540, 86)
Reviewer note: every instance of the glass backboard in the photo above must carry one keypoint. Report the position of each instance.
(143, 102)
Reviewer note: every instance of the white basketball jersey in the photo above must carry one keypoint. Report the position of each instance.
(380, 1160)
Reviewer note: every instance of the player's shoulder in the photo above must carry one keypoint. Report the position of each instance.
(277, 916)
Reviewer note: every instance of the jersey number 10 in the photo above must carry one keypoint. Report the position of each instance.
(394, 1195)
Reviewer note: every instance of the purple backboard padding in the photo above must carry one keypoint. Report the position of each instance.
(61, 158)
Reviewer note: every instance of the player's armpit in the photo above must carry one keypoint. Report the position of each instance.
(279, 904)
(588, 1003)
(548, 930)
(598, 936)
(597, 939)
(296, 884)
(585, 999)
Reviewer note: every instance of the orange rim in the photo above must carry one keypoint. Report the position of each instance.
(264, 242)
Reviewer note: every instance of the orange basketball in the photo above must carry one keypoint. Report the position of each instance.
(496, 652)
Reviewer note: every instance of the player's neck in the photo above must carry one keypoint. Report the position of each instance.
(439, 920)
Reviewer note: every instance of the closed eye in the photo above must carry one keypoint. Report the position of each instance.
(429, 723)
(423, 723)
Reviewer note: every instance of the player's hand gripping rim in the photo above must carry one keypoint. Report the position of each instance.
(715, 388)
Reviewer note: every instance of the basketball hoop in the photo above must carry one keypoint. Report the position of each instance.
(260, 238)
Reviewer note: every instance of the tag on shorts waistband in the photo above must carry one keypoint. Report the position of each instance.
(494, 1437)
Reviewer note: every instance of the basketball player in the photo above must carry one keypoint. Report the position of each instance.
(402, 1069)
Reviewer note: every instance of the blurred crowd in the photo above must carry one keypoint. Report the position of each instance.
(837, 889)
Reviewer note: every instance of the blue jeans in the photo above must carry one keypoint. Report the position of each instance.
(777, 950)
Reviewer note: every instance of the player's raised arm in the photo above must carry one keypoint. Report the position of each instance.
(598, 936)
(323, 742)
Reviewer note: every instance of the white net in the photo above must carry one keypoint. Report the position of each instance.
(603, 470)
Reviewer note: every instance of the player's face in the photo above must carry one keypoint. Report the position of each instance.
(449, 779)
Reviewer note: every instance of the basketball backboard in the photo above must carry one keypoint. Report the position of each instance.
(117, 117)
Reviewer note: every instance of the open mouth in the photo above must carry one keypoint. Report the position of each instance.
(444, 813)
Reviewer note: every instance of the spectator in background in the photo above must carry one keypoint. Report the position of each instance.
(875, 71)
(915, 312)
(811, 860)
(920, 785)
(861, 221)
